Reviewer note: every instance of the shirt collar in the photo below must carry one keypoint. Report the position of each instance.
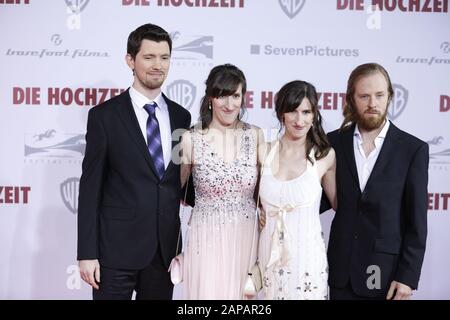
(140, 100)
(381, 135)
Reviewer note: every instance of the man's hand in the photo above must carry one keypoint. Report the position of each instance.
(90, 272)
(402, 291)
(262, 219)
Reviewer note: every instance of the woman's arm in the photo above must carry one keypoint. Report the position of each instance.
(329, 178)
(186, 157)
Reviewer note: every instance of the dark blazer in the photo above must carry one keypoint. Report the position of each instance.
(384, 226)
(124, 210)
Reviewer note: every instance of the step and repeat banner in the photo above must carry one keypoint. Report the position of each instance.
(58, 58)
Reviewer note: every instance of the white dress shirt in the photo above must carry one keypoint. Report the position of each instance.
(364, 165)
(162, 114)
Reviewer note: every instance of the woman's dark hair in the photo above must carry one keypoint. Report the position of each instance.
(147, 31)
(288, 99)
(222, 81)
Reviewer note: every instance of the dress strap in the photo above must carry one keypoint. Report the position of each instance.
(271, 155)
(198, 145)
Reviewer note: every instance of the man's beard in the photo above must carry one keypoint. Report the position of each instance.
(149, 83)
(153, 84)
(370, 123)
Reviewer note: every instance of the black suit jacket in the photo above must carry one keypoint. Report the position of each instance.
(386, 225)
(124, 210)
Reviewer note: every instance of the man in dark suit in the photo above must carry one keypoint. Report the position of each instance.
(129, 195)
(378, 235)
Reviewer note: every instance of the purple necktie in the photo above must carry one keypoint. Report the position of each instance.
(154, 139)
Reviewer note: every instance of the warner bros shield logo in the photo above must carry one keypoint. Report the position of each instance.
(399, 101)
(69, 193)
(76, 6)
(183, 92)
(291, 7)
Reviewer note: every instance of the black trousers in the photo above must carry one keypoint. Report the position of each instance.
(151, 283)
(347, 293)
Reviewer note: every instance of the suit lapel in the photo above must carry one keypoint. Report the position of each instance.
(347, 143)
(386, 152)
(128, 117)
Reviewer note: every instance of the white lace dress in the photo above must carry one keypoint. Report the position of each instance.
(222, 227)
(292, 251)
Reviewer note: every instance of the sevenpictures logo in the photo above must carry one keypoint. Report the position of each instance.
(291, 7)
(192, 49)
(56, 40)
(69, 193)
(309, 50)
(183, 92)
(54, 147)
(399, 101)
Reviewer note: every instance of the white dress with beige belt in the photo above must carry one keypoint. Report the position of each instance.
(292, 251)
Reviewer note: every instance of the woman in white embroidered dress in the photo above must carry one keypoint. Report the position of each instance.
(292, 252)
(221, 152)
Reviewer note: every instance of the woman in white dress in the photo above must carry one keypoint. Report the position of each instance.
(292, 253)
(221, 153)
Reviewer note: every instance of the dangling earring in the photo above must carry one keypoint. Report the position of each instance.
(209, 106)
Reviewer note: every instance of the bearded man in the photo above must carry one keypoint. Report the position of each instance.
(378, 235)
